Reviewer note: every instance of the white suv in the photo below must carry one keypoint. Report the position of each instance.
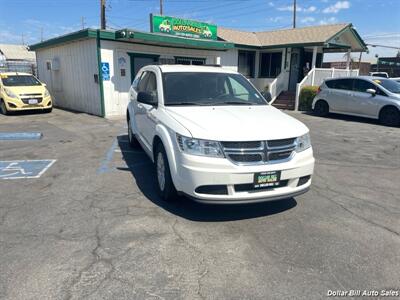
(214, 138)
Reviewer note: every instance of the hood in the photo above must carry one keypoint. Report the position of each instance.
(237, 123)
(35, 89)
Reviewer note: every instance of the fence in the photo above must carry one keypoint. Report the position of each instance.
(18, 66)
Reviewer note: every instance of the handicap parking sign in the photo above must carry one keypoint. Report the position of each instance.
(105, 70)
(17, 169)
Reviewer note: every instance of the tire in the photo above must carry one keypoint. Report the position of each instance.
(389, 116)
(321, 108)
(133, 142)
(3, 108)
(165, 185)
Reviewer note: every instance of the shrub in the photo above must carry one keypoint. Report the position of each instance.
(307, 95)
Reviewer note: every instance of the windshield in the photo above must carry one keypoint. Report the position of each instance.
(19, 80)
(198, 88)
(390, 85)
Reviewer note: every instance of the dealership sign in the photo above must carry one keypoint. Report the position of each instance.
(183, 27)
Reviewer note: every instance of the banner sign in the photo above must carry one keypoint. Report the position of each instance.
(183, 27)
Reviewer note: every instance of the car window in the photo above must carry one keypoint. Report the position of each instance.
(203, 88)
(331, 83)
(20, 80)
(363, 85)
(390, 85)
(344, 84)
(151, 86)
(238, 90)
(143, 82)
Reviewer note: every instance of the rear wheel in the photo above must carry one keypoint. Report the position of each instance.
(389, 116)
(165, 186)
(321, 108)
(3, 108)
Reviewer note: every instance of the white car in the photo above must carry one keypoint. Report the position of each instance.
(213, 137)
(364, 96)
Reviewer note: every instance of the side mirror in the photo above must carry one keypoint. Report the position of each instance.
(267, 95)
(147, 98)
(371, 91)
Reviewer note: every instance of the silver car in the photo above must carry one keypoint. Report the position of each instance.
(363, 96)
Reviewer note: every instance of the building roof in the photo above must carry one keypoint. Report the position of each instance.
(16, 52)
(334, 35)
(133, 36)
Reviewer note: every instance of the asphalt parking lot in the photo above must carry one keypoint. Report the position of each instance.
(92, 227)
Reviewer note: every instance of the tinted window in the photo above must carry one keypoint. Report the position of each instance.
(331, 83)
(19, 80)
(270, 64)
(190, 88)
(246, 62)
(363, 85)
(344, 84)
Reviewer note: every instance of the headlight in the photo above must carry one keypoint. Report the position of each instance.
(199, 147)
(303, 142)
(46, 93)
(10, 93)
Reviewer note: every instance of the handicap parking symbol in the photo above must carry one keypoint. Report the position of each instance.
(17, 169)
(105, 70)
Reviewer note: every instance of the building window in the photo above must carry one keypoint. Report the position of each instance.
(270, 64)
(189, 61)
(246, 61)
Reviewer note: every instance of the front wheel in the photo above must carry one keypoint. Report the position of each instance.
(3, 108)
(321, 108)
(165, 186)
(390, 116)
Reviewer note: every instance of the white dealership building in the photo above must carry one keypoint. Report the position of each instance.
(91, 70)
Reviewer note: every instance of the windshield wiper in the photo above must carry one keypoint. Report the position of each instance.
(233, 103)
(186, 103)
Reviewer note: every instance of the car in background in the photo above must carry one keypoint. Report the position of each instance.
(397, 79)
(379, 74)
(364, 96)
(23, 91)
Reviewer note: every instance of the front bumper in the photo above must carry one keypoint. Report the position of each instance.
(196, 171)
(16, 104)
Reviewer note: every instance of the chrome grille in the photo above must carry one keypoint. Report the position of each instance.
(259, 152)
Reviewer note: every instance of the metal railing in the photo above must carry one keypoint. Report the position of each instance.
(277, 86)
(317, 76)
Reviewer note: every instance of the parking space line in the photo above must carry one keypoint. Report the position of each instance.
(129, 151)
(107, 160)
(15, 136)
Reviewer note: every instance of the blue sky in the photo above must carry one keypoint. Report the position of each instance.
(378, 21)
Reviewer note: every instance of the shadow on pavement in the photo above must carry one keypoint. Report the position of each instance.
(346, 118)
(142, 170)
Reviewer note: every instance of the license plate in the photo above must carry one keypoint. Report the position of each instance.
(33, 101)
(267, 179)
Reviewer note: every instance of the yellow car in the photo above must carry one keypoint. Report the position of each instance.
(23, 91)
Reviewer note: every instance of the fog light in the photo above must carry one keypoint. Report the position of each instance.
(12, 105)
(303, 180)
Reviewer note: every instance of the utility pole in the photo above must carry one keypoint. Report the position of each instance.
(161, 7)
(83, 22)
(102, 14)
(41, 34)
(294, 13)
(23, 41)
